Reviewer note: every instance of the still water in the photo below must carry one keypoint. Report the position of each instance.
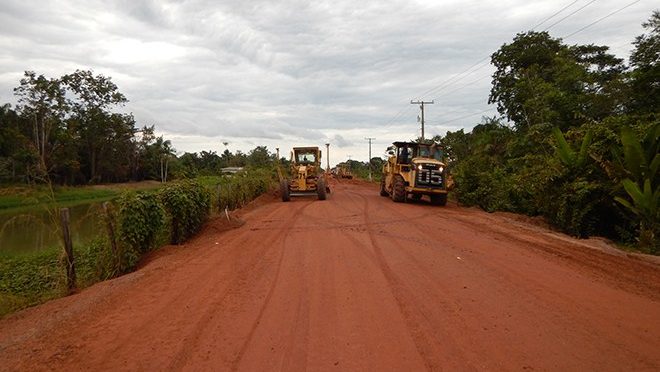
(37, 230)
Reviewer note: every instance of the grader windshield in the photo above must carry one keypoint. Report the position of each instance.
(305, 156)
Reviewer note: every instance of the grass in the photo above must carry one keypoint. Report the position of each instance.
(21, 199)
(29, 279)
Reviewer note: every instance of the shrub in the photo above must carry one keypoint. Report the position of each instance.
(187, 204)
(140, 220)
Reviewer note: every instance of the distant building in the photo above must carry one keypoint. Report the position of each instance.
(231, 170)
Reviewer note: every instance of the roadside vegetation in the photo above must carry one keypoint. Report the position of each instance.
(143, 221)
(578, 140)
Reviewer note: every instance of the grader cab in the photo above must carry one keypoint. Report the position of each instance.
(306, 176)
(415, 169)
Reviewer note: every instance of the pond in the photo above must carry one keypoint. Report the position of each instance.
(40, 229)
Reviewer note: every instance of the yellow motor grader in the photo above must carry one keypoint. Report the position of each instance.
(343, 171)
(415, 169)
(306, 176)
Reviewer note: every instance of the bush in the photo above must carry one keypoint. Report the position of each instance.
(235, 191)
(140, 220)
(187, 204)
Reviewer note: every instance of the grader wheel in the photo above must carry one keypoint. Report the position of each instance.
(320, 188)
(284, 189)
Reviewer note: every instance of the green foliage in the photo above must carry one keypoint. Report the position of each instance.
(539, 81)
(585, 134)
(141, 224)
(28, 280)
(234, 191)
(645, 60)
(576, 206)
(187, 204)
(567, 155)
(140, 221)
(641, 161)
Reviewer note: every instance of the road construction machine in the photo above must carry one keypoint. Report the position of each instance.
(414, 170)
(343, 171)
(305, 176)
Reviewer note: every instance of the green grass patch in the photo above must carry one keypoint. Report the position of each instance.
(23, 199)
(30, 279)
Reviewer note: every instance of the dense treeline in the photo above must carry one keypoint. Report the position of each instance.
(68, 131)
(578, 141)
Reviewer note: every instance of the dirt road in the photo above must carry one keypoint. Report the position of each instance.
(356, 282)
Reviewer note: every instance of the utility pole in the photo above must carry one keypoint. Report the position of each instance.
(369, 139)
(421, 106)
(327, 157)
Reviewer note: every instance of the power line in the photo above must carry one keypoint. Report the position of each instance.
(464, 85)
(456, 78)
(397, 115)
(570, 14)
(552, 16)
(464, 117)
(437, 120)
(470, 70)
(602, 18)
(466, 72)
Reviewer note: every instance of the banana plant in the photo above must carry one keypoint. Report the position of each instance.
(645, 206)
(641, 161)
(569, 157)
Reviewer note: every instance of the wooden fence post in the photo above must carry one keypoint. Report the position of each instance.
(109, 221)
(68, 249)
(218, 191)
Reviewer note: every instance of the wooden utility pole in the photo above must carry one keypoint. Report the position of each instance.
(369, 139)
(421, 106)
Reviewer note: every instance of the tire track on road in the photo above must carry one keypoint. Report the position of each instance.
(248, 271)
(282, 242)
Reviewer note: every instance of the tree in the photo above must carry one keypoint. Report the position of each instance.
(539, 81)
(259, 157)
(42, 101)
(91, 99)
(645, 61)
(15, 155)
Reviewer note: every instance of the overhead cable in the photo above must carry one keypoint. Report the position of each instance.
(602, 18)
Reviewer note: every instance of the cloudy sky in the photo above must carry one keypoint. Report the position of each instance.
(287, 73)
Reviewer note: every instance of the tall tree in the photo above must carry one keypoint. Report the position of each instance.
(645, 61)
(92, 98)
(539, 81)
(42, 101)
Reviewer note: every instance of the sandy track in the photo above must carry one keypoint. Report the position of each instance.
(356, 282)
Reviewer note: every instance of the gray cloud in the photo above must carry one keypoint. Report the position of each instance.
(281, 73)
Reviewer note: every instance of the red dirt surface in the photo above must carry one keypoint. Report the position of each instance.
(357, 282)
